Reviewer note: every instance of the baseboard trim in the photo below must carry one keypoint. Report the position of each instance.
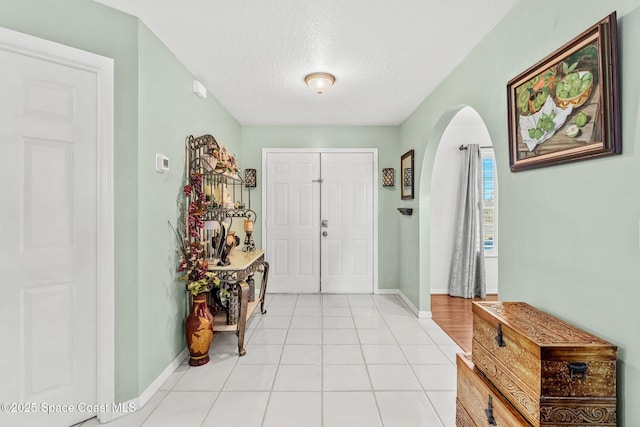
(387, 291)
(419, 314)
(164, 376)
(446, 291)
(139, 402)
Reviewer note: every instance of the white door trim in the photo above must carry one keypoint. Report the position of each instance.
(102, 67)
(373, 151)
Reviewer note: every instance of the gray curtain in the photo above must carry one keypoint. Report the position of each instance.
(467, 277)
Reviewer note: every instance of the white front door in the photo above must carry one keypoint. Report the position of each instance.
(293, 221)
(347, 221)
(304, 192)
(48, 227)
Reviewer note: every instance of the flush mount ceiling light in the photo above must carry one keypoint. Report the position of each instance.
(319, 82)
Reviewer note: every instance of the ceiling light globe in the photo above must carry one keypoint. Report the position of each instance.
(319, 82)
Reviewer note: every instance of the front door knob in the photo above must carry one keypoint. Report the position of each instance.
(325, 234)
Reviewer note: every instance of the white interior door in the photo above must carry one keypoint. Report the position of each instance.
(347, 212)
(301, 190)
(293, 221)
(48, 137)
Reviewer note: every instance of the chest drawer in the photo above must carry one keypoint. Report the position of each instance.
(478, 403)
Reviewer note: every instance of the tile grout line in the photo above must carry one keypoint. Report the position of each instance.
(366, 365)
(321, 363)
(275, 374)
(424, 391)
(219, 392)
(157, 406)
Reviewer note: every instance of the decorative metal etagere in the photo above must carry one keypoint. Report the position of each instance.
(221, 184)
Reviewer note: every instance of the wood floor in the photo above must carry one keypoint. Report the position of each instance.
(454, 316)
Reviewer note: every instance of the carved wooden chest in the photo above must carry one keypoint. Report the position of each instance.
(553, 373)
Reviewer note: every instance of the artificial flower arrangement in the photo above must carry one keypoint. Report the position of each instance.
(193, 259)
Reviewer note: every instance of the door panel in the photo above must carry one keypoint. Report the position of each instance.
(48, 223)
(347, 205)
(46, 343)
(48, 174)
(292, 229)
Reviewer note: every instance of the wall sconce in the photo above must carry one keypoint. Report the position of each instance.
(249, 177)
(320, 82)
(388, 177)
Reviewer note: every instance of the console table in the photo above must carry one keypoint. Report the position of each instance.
(240, 271)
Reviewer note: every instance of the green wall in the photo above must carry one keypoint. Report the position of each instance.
(168, 113)
(385, 138)
(154, 112)
(569, 238)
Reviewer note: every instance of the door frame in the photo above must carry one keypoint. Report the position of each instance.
(374, 153)
(103, 68)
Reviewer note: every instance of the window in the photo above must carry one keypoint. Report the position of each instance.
(490, 202)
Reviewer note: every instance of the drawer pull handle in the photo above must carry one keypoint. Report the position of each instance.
(499, 338)
(489, 412)
(579, 369)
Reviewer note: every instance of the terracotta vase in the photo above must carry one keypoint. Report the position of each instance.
(199, 331)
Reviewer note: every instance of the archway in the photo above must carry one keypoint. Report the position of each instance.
(460, 125)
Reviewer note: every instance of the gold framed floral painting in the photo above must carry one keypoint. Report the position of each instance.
(566, 107)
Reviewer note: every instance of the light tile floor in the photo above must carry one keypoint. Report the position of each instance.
(316, 361)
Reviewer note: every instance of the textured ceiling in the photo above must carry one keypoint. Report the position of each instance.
(252, 56)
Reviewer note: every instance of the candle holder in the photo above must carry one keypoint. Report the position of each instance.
(249, 244)
(211, 229)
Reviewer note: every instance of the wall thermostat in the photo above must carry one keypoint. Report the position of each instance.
(162, 163)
